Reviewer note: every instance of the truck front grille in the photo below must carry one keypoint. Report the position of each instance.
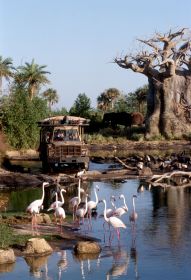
(62, 151)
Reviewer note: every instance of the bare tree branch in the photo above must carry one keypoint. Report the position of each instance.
(164, 59)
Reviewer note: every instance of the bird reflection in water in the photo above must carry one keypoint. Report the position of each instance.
(134, 258)
(120, 263)
(62, 263)
(85, 262)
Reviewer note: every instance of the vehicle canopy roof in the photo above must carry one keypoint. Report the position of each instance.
(64, 120)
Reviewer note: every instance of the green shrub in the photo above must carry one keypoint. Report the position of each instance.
(5, 236)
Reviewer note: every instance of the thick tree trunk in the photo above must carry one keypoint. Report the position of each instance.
(168, 104)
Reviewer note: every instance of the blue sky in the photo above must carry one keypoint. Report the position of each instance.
(78, 39)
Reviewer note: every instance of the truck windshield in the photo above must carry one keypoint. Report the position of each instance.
(66, 135)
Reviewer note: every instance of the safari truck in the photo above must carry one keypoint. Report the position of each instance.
(62, 143)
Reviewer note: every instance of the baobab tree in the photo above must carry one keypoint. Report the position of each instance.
(166, 61)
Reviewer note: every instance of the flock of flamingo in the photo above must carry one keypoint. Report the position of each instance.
(81, 210)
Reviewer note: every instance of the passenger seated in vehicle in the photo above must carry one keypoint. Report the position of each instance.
(59, 135)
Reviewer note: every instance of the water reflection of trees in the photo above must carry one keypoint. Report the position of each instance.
(171, 213)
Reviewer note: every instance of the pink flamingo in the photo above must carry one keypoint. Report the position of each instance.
(60, 203)
(75, 201)
(115, 222)
(35, 206)
(110, 211)
(133, 216)
(81, 212)
(93, 204)
(59, 212)
(57, 204)
(121, 210)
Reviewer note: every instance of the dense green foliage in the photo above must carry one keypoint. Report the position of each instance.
(19, 116)
(81, 107)
(59, 112)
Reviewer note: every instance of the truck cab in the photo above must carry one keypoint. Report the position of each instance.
(62, 143)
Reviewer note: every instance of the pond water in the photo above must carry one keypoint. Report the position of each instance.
(159, 249)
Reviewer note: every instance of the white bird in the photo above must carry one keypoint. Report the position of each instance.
(133, 216)
(110, 211)
(75, 201)
(115, 222)
(60, 203)
(80, 212)
(93, 204)
(59, 211)
(121, 210)
(35, 206)
(80, 173)
(140, 165)
(140, 189)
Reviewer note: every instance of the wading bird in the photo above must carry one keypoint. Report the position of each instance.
(121, 210)
(60, 203)
(35, 206)
(133, 216)
(81, 212)
(92, 204)
(75, 201)
(57, 204)
(110, 211)
(115, 222)
(59, 212)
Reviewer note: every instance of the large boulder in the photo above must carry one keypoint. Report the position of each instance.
(87, 247)
(43, 218)
(37, 246)
(7, 256)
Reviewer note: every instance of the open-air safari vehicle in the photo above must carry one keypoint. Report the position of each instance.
(62, 143)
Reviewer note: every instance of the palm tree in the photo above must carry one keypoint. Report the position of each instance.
(33, 75)
(5, 70)
(106, 99)
(51, 96)
(141, 96)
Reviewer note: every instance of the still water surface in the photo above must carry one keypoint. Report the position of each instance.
(161, 248)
